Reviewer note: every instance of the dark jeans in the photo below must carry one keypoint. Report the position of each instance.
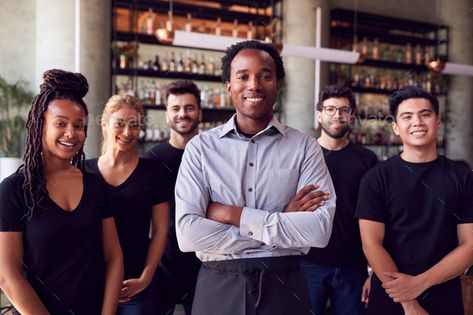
(144, 303)
(343, 286)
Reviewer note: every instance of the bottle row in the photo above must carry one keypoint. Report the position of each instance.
(151, 92)
(179, 62)
(149, 22)
(417, 55)
(368, 77)
(161, 133)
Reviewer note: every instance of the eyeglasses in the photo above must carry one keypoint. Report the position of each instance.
(331, 110)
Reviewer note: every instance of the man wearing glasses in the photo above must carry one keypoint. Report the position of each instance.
(338, 271)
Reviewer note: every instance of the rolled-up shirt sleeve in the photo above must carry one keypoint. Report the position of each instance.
(296, 229)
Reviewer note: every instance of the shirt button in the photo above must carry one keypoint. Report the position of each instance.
(250, 233)
(250, 189)
(251, 164)
(252, 141)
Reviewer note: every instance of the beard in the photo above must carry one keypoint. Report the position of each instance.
(336, 134)
(186, 131)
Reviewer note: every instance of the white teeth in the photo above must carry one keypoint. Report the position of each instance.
(418, 133)
(254, 99)
(68, 144)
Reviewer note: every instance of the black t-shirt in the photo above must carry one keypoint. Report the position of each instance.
(421, 205)
(346, 167)
(177, 272)
(63, 250)
(133, 201)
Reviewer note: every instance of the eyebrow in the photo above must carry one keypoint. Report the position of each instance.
(246, 70)
(420, 112)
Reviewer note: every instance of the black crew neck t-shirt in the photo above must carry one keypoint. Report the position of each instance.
(346, 167)
(421, 205)
(132, 202)
(63, 257)
(177, 272)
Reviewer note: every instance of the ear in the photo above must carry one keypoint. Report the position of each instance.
(439, 120)
(228, 86)
(319, 115)
(200, 115)
(395, 128)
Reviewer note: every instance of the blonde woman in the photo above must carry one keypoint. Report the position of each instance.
(140, 195)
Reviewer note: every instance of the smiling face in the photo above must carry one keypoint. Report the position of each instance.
(63, 130)
(417, 124)
(122, 129)
(335, 117)
(253, 87)
(183, 114)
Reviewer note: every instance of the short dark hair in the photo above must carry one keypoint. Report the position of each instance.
(180, 87)
(409, 92)
(233, 50)
(336, 90)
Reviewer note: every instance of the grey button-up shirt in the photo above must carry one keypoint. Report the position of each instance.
(261, 174)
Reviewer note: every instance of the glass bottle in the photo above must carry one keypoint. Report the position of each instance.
(188, 25)
(235, 28)
(218, 27)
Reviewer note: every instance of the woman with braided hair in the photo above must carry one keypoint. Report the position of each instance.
(59, 250)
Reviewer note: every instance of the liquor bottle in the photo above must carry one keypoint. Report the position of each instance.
(165, 63)
(195, 64)
(375, 50)
(408, 57)
(218, 27)
(180, 64)
(399, 55)
(427, 56)
(157, 95)
(202, 65)
(235, 28)
(129, 88)
(172, 63)
(149, 22)
(156, 64)
(169, 22)
(211, 67)
(355, 44)
(188, 25)
(249, 33)
(364, 47)
(418, 55)
(188, 62)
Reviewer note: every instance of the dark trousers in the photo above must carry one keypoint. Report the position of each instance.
(263, 286)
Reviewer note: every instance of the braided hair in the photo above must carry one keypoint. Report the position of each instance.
(57, 85)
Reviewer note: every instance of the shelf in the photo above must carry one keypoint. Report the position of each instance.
(373, 33)
(147, 39)
(384, 22)
(167, 75)
(202, 12)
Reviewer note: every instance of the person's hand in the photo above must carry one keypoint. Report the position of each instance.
(132, 287)
(404, 287)
(307, 199)
(224, 214)
(413, 308)
(365, 292)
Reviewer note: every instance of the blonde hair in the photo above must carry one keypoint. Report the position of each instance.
(114, 104)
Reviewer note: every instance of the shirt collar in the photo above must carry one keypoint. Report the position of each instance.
(230, 125)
